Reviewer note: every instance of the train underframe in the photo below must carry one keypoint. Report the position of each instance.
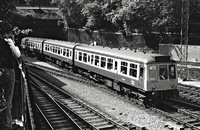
(150, 98)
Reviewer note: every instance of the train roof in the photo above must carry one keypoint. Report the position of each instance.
(33, 39)
(61, 43)
(125, 54)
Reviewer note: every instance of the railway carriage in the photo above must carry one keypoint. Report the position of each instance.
(140, 75)
(59, 52)
(33, 46)
(130, 72)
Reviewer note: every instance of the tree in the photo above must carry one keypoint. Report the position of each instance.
(70, 11)
(7, 14)
(95, 13)
(145, 16)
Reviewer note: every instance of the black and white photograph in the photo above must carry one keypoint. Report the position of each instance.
(100, 65)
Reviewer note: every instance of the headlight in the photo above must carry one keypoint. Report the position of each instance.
(154, 87)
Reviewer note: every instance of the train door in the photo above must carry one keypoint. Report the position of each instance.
(116, 68)
(141, 77)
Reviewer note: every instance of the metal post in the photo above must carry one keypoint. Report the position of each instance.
(184, 39)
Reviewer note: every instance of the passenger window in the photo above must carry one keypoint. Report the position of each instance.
(172, 72)
(67, 52)
(92, 59)
(116, 65)
(38, 45)
(56, 49)
(59, 50)
(124, 67)
(53, 49)
(163, 72)
(88, 58)
(103, 62)
(50, 48)
(84, 57)
(64, 52)
(80, 56)
(141, 72)
(46, 47)
(133, 70)
(96, 60)
(70, 53)
(76, 57)
(109, 63)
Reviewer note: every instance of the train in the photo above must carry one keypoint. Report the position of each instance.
(148, 76)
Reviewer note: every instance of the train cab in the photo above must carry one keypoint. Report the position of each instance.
(161, 75)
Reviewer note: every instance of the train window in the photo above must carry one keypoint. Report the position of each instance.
(35, 45)
(80, 56)
(31, 44)
(96, 61)
(141, 72)
(109, 64)
(103, 62)
(92, 59)
(70, 53)
(172, 72)
(163, 72)
(88, 58)
(53, 49)
(38, 45)
(152, 72)
(45, 47)
(124, 66)
(64, 52)
(133, 70)
(56, 49)
(84, 57)
(76, 55)
(116, 65)
(59, 50)
(28, 44)
(50, 48)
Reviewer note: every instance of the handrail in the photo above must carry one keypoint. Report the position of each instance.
(23, 86)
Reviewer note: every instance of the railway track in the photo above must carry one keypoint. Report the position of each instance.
(185, 113)
(190, 93)
(54, 117)
(76, 108)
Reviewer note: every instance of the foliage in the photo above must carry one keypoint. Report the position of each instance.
(70, 11)
(7, 14)
(194, 10)
(129, 16)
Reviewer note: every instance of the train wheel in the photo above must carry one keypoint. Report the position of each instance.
(146, 103)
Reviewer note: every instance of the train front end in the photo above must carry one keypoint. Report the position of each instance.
(161, 79)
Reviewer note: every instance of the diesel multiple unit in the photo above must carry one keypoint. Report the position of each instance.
(143, 75)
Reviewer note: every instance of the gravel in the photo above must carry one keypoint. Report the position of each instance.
(117, 107)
